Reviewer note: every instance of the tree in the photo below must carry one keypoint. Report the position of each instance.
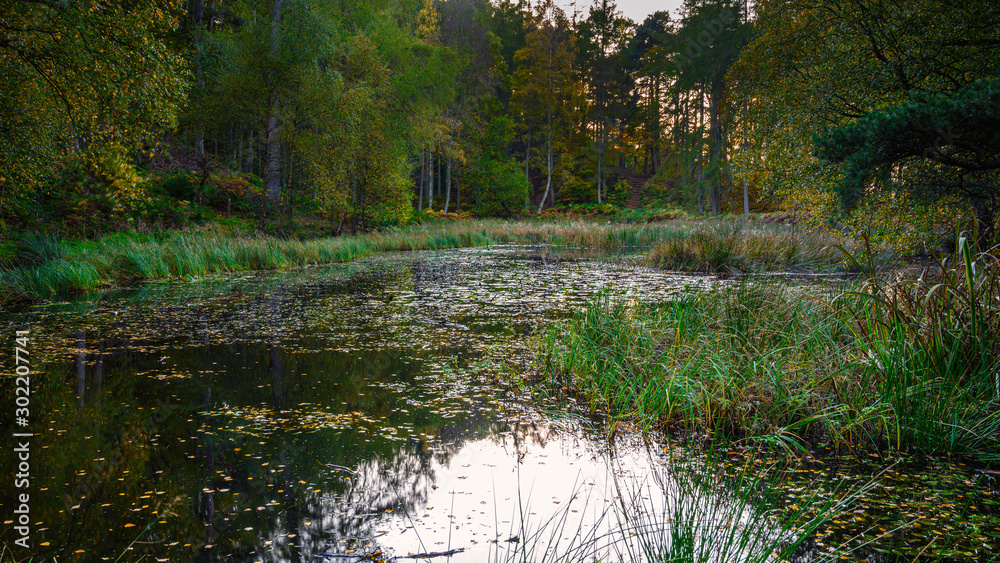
(495, 180)
(650, 50)
(603, 37)
(83, 85)
(543, 83)
(272, 168)
(933, 145)
(713, 34)
(821, 66)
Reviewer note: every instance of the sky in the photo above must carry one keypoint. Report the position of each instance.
(635, 10)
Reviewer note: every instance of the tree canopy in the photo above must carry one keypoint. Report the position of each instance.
(368, 113)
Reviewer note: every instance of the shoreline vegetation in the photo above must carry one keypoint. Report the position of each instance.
(887, 365)
(890, 362)
(44, 266)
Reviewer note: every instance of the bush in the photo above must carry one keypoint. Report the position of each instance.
(497, 187)
(619, 193)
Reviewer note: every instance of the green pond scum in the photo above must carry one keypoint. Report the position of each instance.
(315, 415)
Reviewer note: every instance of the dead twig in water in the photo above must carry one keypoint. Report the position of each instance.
(448, 553)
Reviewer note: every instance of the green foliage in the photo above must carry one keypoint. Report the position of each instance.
(498, 187)
(36, 249)
(933, 146)
(577, 190)
(883, 102)
(495, 182)
(83, 85)
(333, 105)
(619, 193)
(223, 193)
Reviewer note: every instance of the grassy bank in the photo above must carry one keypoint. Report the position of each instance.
(58, 267)
(886, 366)
(43, 266)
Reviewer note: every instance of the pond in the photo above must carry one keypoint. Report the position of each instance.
(341, 412)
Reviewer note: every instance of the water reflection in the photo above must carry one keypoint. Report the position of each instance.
(199, 421)
(195, 421)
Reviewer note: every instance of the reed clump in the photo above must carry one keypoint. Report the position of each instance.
(746, 247)
(700, 509)
(886, 365)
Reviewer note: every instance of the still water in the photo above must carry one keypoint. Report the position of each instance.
(337, 413)
(330, 410)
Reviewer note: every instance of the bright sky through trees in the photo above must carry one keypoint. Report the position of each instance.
(635, 10)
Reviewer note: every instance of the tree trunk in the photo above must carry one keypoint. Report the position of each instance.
(701, 192)
(746, 199)
(430, 181)
(656, 127)
(447, 186)
(548, 181)
(551, 102)
(272, 174)
(211, 19)
(716, 152)
(527, 172)
(984, 217)
(250, 152)
(600, 159)
(288, 185)
(197, 15)
(420, 184)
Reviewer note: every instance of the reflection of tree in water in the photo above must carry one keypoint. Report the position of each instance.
(138, 383)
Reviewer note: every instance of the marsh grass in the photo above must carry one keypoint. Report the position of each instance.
(932, 345)
(50, 267)
(54, 268)
(888, 365)
(746, 247)
(715, 362)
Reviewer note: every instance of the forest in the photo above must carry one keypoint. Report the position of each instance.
(500, 280)
(843, 114)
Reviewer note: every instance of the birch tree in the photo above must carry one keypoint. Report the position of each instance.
(543, 83)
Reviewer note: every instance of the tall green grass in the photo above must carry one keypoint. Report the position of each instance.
(932, 350)
(888, 364)
(50, 267)
(55, 268)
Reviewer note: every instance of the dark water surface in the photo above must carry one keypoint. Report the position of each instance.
(335, 410)
(197, 420)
